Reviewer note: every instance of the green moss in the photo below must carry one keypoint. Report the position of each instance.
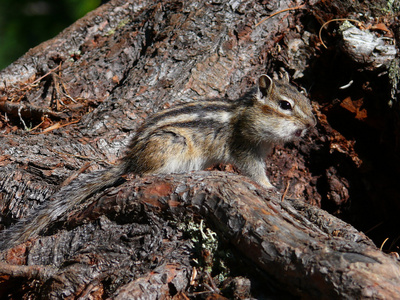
(208, 255)
(392, 6)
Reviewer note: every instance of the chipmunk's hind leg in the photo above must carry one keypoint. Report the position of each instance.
(174, 152)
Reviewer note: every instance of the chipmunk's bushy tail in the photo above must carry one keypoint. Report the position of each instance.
(63, 201)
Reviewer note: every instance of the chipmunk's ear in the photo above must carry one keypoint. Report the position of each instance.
(265, 85)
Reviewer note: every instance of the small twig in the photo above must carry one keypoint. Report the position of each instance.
(200, 293)
(66, 93)
(76, 174)
(45, 75)
(60, 89)
(286, 190)
(333, 20)
(373, 227)
(213, 285)
(68, 96)
(27, 109)
(278, 12)
(22, 120)
(84, 157)
(193, 277)
(27, 87)
(38, 125)
(394, 242)
(184, 296)
(55, 126)
(383, 244)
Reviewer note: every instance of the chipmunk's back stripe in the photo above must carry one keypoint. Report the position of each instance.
(211, 123)
(215, 128)
(217, 111)
(206, 106)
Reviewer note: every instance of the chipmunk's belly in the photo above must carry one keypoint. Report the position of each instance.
(179, 164)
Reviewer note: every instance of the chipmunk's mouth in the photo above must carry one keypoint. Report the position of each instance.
(299, 132)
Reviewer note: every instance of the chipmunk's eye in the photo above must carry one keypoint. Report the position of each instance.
(285, 105)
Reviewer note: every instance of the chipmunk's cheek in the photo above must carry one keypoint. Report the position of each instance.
(287, 132)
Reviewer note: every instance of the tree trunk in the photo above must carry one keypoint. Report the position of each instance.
(70, 106)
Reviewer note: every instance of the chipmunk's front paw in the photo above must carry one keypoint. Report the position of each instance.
(266, 184)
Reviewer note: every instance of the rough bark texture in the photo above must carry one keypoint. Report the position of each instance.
(70, 105)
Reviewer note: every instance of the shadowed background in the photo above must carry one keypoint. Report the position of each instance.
(26, 23)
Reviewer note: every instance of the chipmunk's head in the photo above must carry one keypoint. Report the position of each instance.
(285, 114)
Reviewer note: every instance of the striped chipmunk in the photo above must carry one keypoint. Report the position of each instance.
(187, 137)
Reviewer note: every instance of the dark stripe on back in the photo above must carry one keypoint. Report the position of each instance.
(202, 123)
(188, 108)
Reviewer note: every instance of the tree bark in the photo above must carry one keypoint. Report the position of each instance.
(70, 106)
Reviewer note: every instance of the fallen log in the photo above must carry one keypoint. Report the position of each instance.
(131, 232)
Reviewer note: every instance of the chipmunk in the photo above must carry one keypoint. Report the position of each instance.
(187, 137)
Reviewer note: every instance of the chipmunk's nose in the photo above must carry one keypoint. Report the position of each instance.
(312, 122)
